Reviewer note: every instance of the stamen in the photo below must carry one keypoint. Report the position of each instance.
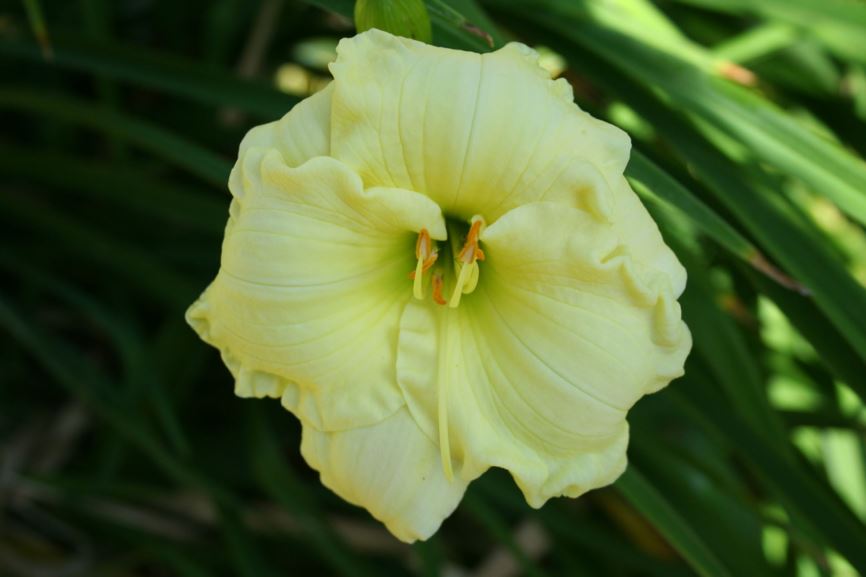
(426, 255)
(470, 251)
(462, 278)
(418, 276)
(467, 258)
(437, 289)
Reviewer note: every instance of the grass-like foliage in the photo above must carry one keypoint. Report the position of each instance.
(123, 451)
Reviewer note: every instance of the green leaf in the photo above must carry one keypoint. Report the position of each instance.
(156, 140)
(465, 24)
(808, 500)
(832, 347)
(838, 24)
(686, 539)
(719, 341)
(125, 338)
(406, 18)
(281, 483)
(683, 75)
(65, 367)
(144, 196)
(145, 273)
(163, 72)
(493, 523)
(654, 185)
(37, 24)
(698, 485)
(242, 547)
(652, 182)
(757, 42)
(450, 27)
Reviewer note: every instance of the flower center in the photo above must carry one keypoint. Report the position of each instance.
(462, 276)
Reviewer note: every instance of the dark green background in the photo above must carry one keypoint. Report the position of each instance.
(123, 451)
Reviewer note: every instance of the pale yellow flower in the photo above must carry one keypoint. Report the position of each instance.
(437, 265)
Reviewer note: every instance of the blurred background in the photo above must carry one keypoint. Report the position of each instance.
(123, 451)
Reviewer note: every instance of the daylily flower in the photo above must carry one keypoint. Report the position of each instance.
(438, 267)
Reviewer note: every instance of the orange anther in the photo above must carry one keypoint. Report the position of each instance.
(424, 251)
(437, 289)
(470, 251)
(423, 245)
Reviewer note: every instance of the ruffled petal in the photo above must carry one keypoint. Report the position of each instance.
(304, 132)
(638, 231)
(312, 282)
(535, 370)
(392, 469)
(480, 134)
